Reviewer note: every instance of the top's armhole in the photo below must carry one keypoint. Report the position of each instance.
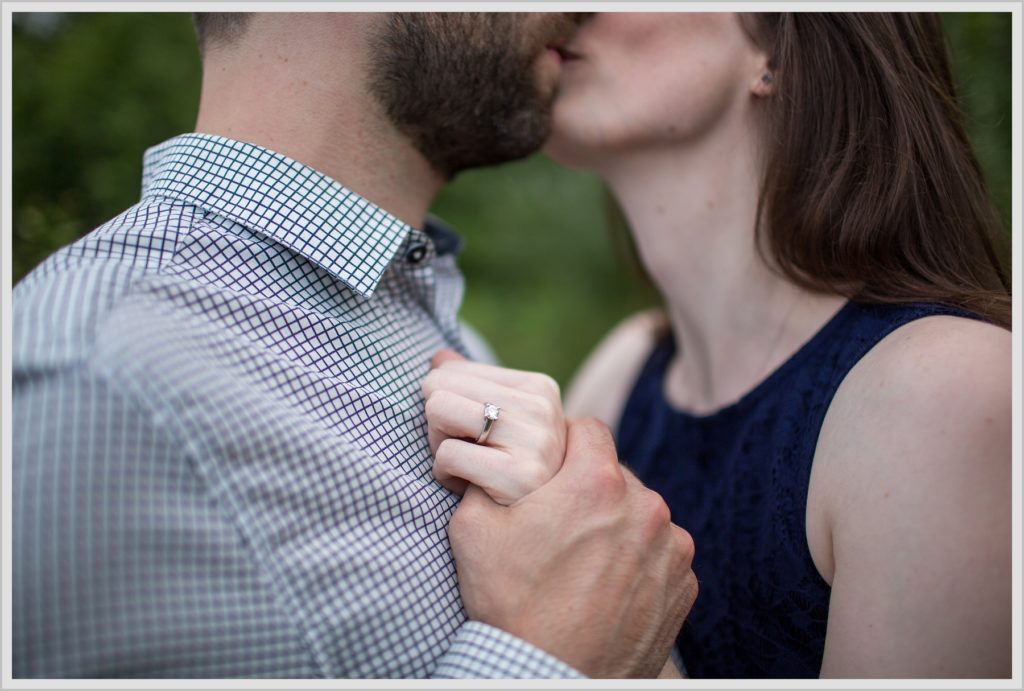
(605, 379)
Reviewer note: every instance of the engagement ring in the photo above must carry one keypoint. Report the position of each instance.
(491, 413)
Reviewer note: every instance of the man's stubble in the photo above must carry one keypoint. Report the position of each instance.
(464, 87)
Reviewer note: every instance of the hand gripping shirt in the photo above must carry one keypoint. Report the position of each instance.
(220, 460)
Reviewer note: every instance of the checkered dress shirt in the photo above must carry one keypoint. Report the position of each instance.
(220, 457)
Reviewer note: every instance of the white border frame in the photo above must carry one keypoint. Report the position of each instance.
(8, 8)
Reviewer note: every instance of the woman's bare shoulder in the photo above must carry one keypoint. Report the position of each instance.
(935, 367)
(604, 380)
(927, 406)
(910, 484)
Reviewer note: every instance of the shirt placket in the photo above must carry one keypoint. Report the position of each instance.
(437, 283)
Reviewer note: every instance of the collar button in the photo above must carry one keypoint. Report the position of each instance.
(417, 254)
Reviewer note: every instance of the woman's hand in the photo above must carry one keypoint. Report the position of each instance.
(526, 445)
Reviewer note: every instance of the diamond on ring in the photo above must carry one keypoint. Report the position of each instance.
(491, 413)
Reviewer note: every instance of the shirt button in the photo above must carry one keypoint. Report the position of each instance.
(416, 254)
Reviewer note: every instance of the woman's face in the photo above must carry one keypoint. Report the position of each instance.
(634, 80)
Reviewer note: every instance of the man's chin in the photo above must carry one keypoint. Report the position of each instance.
(556, 140)
(507, 149)
(564, 151)
(548, 70)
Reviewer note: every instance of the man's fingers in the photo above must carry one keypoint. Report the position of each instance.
(591, 473)
(475, 513)
(589, 442)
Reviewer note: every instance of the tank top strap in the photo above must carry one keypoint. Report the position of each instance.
(851, 334)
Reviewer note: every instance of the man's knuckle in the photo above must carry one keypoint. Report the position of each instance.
(597, 436)
(693, 588)
(607, 482)
(688, 589)
(685, 546)
(657, 510)
(650, 519)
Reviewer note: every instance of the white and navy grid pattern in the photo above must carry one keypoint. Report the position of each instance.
(220, 460)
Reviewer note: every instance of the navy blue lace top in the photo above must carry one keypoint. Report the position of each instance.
(737, 481)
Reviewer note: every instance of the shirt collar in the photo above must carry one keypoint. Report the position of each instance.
(446, 241)
(341, 232)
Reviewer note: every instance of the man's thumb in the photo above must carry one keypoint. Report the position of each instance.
(589, 442)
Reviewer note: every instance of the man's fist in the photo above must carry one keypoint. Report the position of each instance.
(588, 567)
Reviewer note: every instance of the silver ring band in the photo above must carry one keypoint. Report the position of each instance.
(491, 413)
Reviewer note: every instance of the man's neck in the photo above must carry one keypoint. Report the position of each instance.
(281, 101)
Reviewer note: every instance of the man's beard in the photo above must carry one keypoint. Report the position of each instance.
(462, 86)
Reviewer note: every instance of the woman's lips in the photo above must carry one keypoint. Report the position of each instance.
(564, 54)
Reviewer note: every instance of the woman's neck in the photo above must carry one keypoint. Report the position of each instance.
(692, 209)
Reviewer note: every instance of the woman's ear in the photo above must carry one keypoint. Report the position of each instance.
(762, 80)
(763, 84)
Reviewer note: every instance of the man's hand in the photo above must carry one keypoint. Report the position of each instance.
(588, 567)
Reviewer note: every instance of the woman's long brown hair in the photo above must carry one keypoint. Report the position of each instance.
(871, 188)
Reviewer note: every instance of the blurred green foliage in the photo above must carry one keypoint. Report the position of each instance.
(91, 91)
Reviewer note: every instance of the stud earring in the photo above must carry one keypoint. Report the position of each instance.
(766, 78)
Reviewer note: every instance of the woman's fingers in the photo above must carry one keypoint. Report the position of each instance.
(481, 390)
(451, 415)
(504, 478)
(455, 485)
(528, 408)
(532, 382)
(529, 434)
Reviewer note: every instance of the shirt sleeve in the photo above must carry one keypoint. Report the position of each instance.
(483, 651)
(122, 564)
(125, 566)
